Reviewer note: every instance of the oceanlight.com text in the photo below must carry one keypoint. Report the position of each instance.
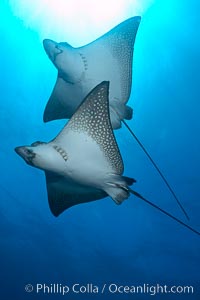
(107, 288)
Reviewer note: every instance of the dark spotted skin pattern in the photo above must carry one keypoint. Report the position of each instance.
(93, 118)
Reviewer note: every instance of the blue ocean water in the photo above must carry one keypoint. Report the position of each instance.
(100, 243)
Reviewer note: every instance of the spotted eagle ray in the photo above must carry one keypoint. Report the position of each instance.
(81, 69)
(83, 163)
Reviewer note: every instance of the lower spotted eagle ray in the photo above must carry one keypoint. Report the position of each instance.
(83, 163)
(81, 69)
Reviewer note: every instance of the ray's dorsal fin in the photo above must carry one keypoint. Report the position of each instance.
(92, 117)
(163, 211)
(158, 169)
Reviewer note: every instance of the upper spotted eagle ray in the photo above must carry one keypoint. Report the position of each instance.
(83, 163)
(81, 69)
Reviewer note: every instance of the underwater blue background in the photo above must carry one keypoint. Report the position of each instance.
(100, 242)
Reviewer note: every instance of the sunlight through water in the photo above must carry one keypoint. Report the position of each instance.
(79, 21)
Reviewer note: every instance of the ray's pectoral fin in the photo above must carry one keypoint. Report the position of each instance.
(58, 202)
(57, 107)
(54, 106)
(117, 187)
(63, 194)
(59, 199)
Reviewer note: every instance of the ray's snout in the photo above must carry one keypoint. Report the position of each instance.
(19, 150)
(51, 48)
(27, 154)
(47, 43)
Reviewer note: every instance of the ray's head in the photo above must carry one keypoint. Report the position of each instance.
(42, 156)
(67, 60)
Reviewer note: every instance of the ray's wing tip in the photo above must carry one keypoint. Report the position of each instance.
(135, 19)
(104, 84)
(138, 18)
(55, 214)
(45, 118)
(54, 209)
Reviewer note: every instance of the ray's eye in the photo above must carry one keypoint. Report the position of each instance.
(58, 47)
(63, 44)
(37, 143)
(28, 151)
